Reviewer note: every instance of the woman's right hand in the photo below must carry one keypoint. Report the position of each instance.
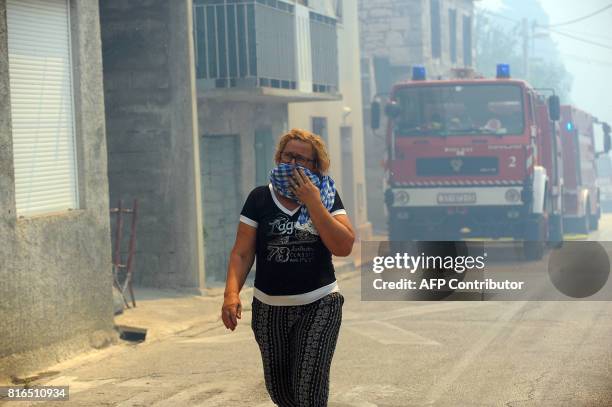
(231, 310)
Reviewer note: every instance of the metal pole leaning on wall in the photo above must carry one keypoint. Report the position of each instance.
(128, 279)
(117, 265)
(117, 258)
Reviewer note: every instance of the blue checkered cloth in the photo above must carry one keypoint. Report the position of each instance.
(280, 175)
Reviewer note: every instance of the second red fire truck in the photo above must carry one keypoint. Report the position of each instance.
(581, 195)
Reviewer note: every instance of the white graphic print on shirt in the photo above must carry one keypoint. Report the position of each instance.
(285, 245)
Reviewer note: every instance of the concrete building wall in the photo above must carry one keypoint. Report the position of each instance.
(55, 273)
(152, 134)
(345, 112)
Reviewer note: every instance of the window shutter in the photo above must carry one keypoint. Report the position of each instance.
(42, 111)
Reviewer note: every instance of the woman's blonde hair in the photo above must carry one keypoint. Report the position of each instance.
(321, 157)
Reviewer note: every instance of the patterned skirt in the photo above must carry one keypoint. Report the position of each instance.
(297, 345)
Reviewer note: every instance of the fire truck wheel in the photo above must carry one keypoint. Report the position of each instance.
(555, 231)
(584, 223)
(594, 222)
(555, 226)
(534, 244)
(533, 250)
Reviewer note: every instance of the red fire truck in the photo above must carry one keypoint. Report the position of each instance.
(581, 195)
(473, 157)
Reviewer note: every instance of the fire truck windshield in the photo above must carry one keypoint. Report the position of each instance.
(466, 109)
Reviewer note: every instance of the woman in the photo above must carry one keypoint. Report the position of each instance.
(293, 226)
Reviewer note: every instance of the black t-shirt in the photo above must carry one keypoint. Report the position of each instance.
(290, 259)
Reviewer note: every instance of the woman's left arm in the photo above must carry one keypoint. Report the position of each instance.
(336, 232)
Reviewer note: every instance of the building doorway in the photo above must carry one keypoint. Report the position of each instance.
(221, 201)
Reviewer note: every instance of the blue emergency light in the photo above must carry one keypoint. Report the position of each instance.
(503, 71)
(419, 73)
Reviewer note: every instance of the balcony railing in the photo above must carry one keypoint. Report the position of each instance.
(246, 44)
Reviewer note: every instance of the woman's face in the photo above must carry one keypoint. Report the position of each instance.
(300, 153)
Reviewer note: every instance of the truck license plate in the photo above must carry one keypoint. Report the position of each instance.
(457, 198)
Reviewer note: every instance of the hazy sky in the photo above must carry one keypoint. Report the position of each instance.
(590, 65)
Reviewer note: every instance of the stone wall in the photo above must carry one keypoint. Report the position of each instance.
(401, 31)
(393, 29)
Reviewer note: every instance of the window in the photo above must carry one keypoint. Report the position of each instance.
(445, 110)
(531, 108)
(467, 41)
(452, 29)
(436, 42)
(319, 127)
(42, 113)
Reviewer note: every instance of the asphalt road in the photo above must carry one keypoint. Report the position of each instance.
(470, 353)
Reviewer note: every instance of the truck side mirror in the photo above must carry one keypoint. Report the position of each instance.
(392, 110)
(375, 115)
(554, 108)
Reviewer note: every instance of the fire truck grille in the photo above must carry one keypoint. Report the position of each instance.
(427, 167)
